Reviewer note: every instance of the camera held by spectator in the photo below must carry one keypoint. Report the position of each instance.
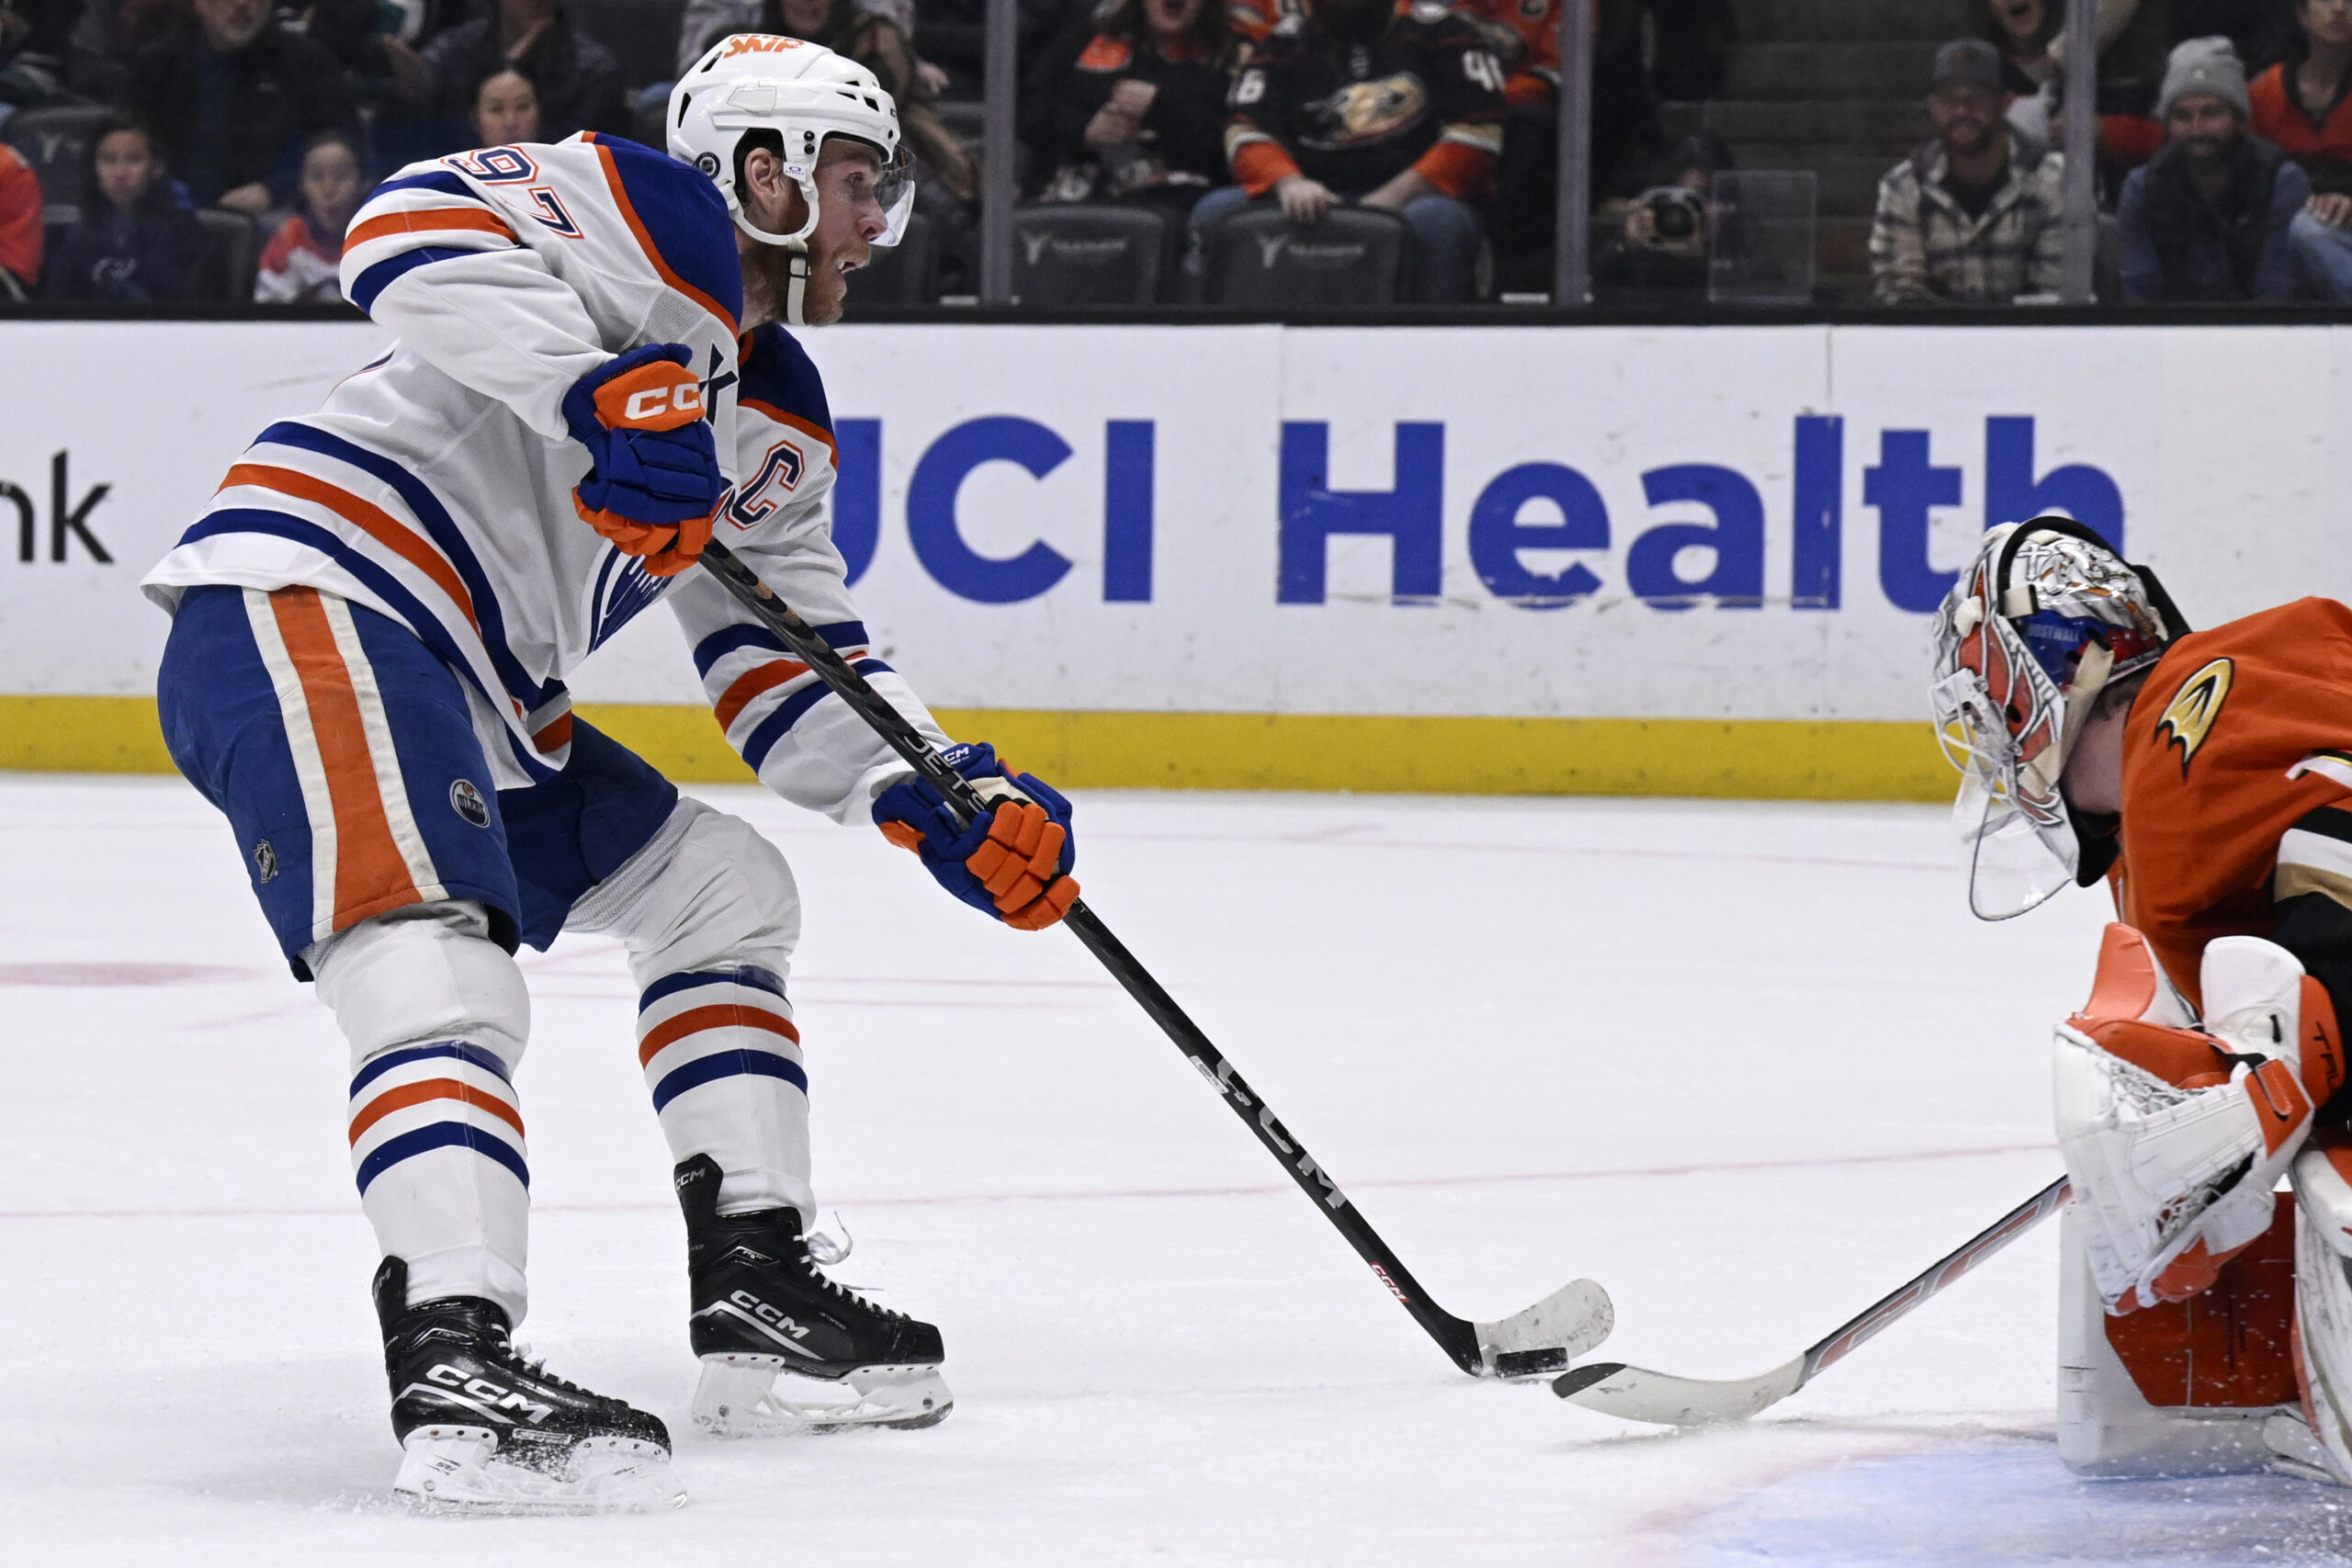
(1668, 220)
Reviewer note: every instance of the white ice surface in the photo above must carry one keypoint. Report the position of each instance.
(1748, 1065)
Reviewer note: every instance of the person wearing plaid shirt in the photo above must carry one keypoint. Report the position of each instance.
(1975, 215)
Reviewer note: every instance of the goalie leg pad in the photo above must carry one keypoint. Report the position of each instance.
(2184, 1388)
(2322, 1177)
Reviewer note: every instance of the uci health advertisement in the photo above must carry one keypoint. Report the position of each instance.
(1529, 523)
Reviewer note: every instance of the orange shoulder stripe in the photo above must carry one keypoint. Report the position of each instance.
(431, 221)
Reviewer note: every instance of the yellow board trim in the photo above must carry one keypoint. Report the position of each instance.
(1741, 759)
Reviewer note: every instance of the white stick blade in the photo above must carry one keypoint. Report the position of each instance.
(1636, 1393)
(1560, 1327)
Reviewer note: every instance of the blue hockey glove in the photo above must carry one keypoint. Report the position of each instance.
(1014, 864)
(655, 484)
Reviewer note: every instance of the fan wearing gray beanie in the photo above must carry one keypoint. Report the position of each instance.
(2209, 216)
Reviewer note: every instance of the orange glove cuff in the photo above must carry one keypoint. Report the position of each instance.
(659, 395)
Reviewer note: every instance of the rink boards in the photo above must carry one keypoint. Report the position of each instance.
(1622, 560)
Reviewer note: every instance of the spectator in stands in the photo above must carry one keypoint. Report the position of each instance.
(109, 34)
(1360, 102)
(20, 230)
(1974, 215)
(2133, 36)
(873, 41)
(2303, 105)
(2022, 31)
(231, 102)
(33, 41)
(1657, 244)
(139, 238)
(2208, 217)
(506, 108)
(1136, 110)
(303, 261)
(578, 80)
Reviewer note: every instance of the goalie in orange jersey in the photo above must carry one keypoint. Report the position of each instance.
(2207, 776)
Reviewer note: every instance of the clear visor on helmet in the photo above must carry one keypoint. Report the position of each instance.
(894, 192)
(2014, 830)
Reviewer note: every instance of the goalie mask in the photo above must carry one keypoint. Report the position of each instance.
(805, 94)
(2042, 620)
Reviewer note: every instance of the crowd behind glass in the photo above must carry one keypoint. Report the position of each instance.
(173, 150)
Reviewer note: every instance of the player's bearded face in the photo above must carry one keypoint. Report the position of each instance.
(849, 219)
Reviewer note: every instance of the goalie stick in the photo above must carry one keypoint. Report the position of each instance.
(1637, 1393)
(1534, 1343)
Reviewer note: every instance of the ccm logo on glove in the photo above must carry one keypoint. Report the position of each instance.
(653, 486)
(1014, 863)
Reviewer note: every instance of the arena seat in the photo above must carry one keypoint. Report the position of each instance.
(56, 142)
(1087, 255)
(236, 247)
(1354, 256)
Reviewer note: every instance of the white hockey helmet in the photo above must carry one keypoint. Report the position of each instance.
(2040, 623)
(805, 92)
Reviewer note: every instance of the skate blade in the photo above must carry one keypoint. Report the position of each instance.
(447, 1470)
(754, 1396)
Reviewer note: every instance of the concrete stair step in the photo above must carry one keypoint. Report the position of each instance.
(1853, 123)
(1806, 70)
(1797, 21)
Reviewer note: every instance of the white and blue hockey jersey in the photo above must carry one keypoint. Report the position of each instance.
(434, 486)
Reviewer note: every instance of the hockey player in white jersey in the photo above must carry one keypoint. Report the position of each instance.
(372, 623)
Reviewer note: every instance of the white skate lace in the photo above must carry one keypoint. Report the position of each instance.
(825, 1249)
(827, 1253)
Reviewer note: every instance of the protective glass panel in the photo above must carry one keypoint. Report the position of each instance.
(1761, 244)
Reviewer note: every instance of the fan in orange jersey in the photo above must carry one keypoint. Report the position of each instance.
(2207, 1318)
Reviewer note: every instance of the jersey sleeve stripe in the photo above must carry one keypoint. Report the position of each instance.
(772, 729)
(372, 281)
(759, 678)
(372, 520)
(735, 638)
(619, 188)
(809, 428)
(2315, 856)
(426, 221)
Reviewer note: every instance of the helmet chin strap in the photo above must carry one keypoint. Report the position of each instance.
(795, 293)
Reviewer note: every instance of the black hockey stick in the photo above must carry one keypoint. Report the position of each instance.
(1637, 1395)
(1534, 1343)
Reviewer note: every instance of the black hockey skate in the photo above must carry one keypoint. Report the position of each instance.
(482, 1430)
(783, 1347)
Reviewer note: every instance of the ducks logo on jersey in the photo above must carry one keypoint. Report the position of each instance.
(2194, 707)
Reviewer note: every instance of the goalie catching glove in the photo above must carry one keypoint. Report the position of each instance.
(2176, 1134)
(655, 485)
(1014, 863)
